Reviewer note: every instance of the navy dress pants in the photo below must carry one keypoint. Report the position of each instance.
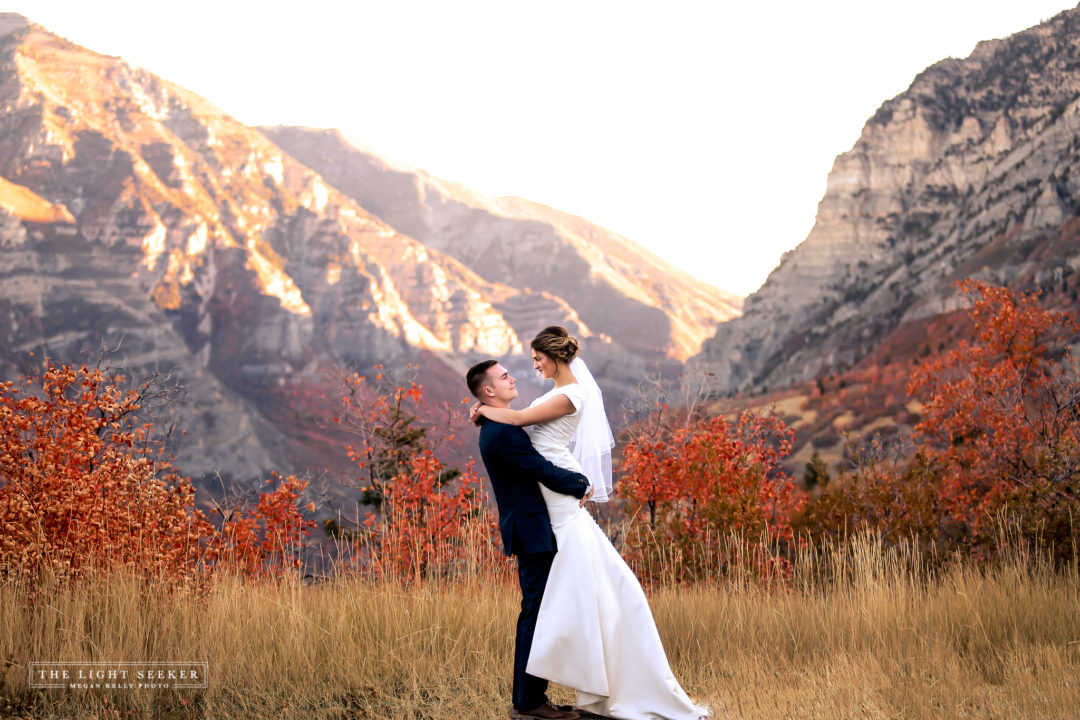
(533, 569)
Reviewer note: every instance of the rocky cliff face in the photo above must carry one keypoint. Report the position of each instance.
(618, 289)
(972, 171)
(137, 216)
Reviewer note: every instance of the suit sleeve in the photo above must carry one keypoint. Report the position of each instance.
(519, 453)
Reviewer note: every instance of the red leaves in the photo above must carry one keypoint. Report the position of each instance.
(999, 437)
(428, 520)
(268, 540)
(1000, 411)
(81, 486)
(432, 528)
(703, 480)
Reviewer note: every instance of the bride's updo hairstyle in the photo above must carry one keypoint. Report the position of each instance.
(556, 343)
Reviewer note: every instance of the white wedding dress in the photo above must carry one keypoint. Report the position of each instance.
(595, 632)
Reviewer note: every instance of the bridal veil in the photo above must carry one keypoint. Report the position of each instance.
(592, 441)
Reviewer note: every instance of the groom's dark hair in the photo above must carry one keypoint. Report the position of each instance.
(476, 375)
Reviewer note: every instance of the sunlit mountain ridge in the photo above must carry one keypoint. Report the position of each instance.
(136, 216)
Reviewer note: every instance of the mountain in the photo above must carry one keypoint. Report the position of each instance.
(136, 216)
(139, 215)
(973, 171)
(618, 288)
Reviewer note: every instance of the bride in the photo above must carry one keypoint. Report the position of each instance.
(595, 632)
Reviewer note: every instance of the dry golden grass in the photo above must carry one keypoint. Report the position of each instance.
(863, 632)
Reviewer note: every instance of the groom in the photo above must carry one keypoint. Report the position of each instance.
(515, 469)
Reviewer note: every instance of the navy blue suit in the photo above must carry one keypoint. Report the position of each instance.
(516, 469)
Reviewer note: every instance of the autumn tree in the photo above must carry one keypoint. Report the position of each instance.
(997, 440)
(429, 528)
(381, 413)
(690, 488)
(268, 540)
(83, 484)
(427, 519)
(1001, 420)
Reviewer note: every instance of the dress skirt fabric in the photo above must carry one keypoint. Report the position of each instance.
(595, 632)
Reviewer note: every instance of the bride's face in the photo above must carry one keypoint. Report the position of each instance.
(544, 365)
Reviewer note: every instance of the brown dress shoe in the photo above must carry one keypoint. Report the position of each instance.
(547, 711)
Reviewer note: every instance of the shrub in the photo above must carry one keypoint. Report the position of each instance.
(427, 520)
(998, 437)
(82, 483)
(705, 479)
(1001, 422)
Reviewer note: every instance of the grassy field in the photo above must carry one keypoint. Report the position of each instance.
(862, 632)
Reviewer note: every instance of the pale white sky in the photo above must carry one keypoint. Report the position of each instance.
(702, 130)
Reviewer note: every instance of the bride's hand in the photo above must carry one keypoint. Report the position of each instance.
(475, 414)
(588, 497)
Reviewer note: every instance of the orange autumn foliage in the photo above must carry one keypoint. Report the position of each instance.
(998, 441)
(688, 488)
(268, 540)
(428, 520)
(1001, 420)
(429, 528)
(81, 486)
(84, 486)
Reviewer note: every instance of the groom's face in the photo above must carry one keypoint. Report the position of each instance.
(501, 387)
